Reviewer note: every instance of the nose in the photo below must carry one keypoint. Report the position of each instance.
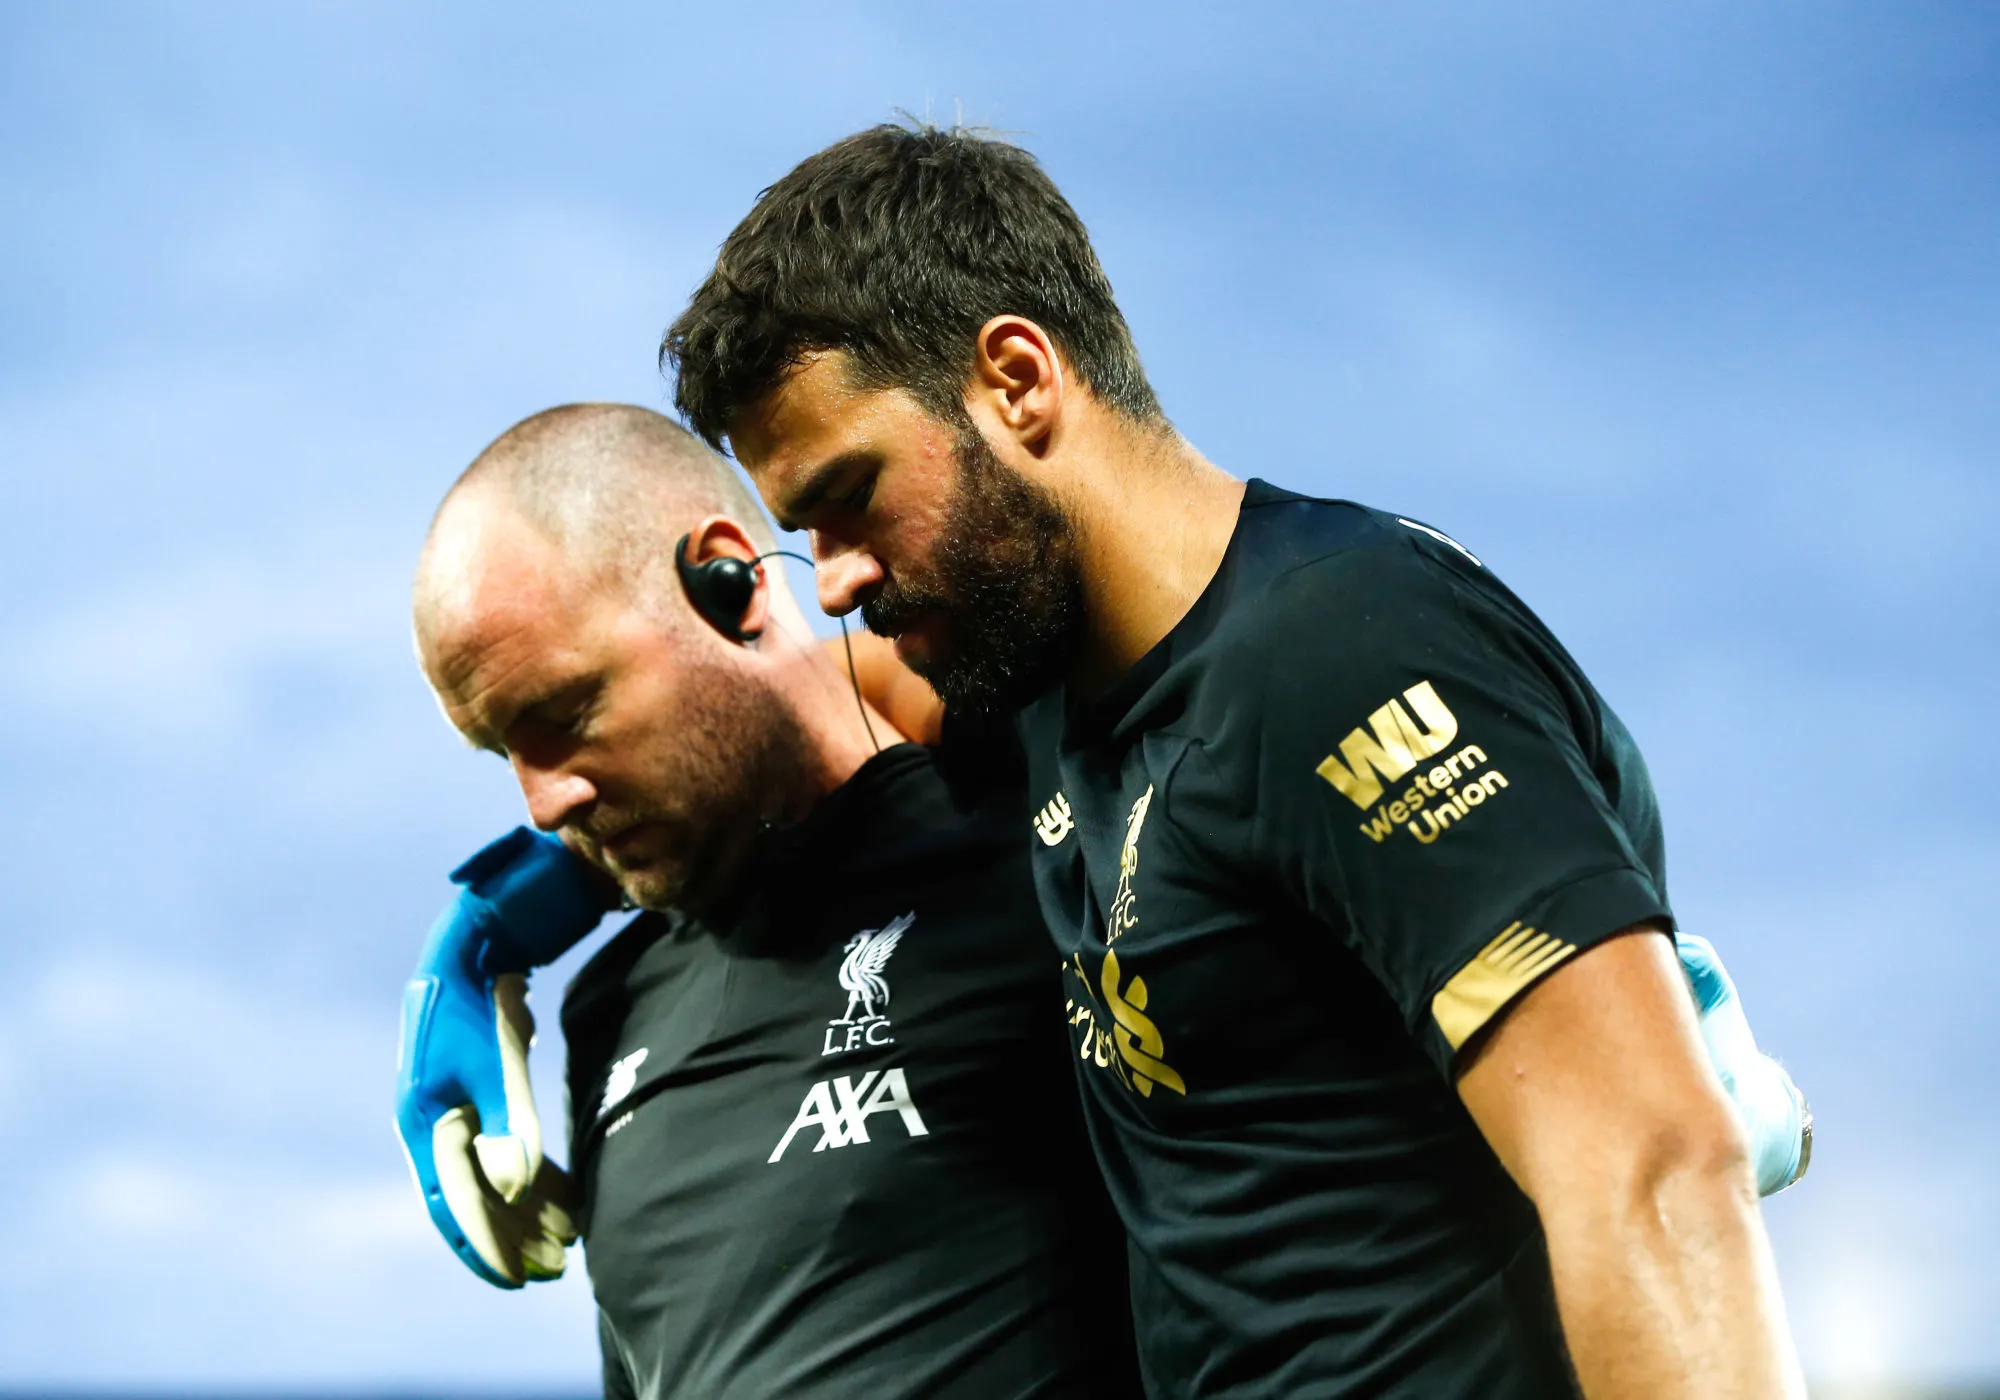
(555, 795)
(847, 575)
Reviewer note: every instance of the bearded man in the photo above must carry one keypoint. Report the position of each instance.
(1357, 882)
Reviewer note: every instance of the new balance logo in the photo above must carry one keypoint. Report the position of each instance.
(623, 1079)
(1055, 821)
(1390, 746)
(840, 1109)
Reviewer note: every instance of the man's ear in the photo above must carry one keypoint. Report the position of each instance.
(721, 537)
(1018, 380)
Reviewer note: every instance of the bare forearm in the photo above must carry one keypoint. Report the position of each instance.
(1597, 1095)
(1675, 1294)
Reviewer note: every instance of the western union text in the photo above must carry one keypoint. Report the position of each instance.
(1438, 800)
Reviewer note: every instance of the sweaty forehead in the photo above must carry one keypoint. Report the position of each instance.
(811, 403)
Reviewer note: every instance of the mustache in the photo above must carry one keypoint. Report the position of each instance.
(977, 585)
(895, 609)
(600, 829)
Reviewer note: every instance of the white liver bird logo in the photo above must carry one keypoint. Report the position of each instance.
(861, 970)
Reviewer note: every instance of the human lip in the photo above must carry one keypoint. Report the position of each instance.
(631, 841)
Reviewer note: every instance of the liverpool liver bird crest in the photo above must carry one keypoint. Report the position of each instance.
(861, 970)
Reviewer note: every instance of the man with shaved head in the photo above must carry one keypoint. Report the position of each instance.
(824, 1138)
(548, 555)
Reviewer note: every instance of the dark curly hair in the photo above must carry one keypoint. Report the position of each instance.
(896, 245)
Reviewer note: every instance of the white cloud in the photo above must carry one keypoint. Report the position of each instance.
(110, 1049)
(128, 1200)
(300, 1274)
(173, 659)
(132, 1197)
(201, 1133)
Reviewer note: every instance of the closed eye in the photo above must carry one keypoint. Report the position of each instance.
(856, 500)
(845, 482)
(563, 717)
(571, 712)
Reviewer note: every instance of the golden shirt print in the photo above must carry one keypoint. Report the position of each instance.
(1131, 1047)
(1137, 1039)
(1503, 969)
(1122, 916)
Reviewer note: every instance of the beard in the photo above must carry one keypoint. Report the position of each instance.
(734, 757)
(1007, 581)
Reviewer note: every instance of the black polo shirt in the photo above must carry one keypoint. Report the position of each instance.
(1295, 863)
(830, 1145)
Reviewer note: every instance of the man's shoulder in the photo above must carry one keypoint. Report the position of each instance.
(1304, 544)
(1319, 582)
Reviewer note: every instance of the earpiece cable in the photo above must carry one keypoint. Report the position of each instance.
(854, 679)
(847, 645)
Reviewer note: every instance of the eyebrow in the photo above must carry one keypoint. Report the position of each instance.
(482, 738)
(489, 740)
(819, 481)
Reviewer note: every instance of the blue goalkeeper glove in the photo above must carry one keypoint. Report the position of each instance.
(1775, 1117)
(464, 1106)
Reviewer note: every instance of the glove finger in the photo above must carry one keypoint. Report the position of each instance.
(541, 1257)
(555, 1223)
(556, 1196)
(514, 1033)
(537, 1231)
(1775, 1117)
(554, 1184)
(519, 1227)
(503, 1162)
(1724, 1026)
(453, 1145)
(1705, 973)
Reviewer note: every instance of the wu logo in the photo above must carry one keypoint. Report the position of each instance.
(623, 1079)
(840, 1109)
(1055, 821)
(1391, 745)
(866, 1020)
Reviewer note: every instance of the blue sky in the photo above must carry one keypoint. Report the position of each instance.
(1686, 319)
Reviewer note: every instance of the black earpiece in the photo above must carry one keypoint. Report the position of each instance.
(720, 589)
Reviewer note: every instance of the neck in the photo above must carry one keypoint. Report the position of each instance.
(1153, 519)
(837, 739)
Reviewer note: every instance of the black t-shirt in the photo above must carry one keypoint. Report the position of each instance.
(1295, 862)
(830, 1146)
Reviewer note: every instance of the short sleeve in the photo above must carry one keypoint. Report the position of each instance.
(1432, 785)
